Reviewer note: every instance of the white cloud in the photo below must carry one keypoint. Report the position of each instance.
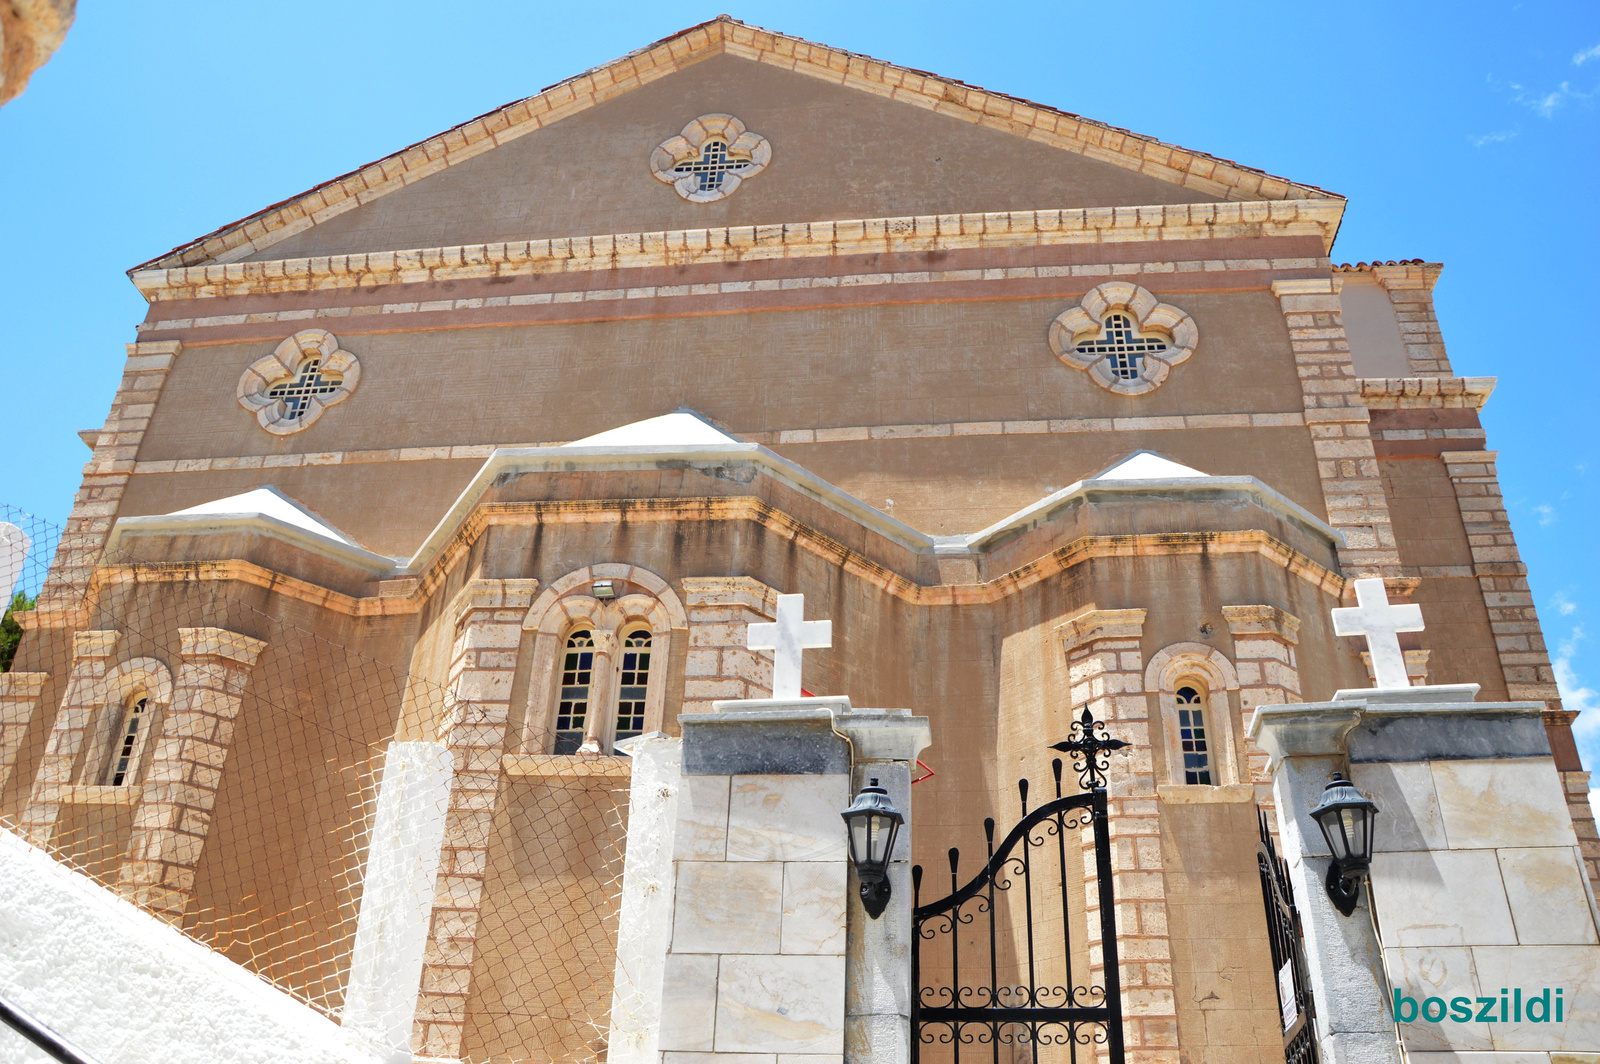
(1564, 606)
(1586, 55)
(1575, 696)
(1547, 514)
(1493, 138)
(1547, 104)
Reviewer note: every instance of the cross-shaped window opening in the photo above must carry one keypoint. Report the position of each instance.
(635, 684)
(122, 766)
(577, 674)
(307, 382)
(1123, 348)
(1192, 736)
(712, 165)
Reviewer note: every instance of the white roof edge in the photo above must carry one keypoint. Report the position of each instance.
(570, 458)
(1029, 516)
(262, 524)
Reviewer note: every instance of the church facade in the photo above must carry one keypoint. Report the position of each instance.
(544, 411)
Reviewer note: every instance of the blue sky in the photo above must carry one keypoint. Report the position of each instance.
(1467, 133)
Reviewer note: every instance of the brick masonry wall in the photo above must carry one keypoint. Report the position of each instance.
(1576, 784)
(1410, 289)
(85, 694)
(19, 694)
(1106, 673)
(1503, 578)
(719, 665)
(482, 663)
(105, 477)
(1340, 432)
(1264, 640)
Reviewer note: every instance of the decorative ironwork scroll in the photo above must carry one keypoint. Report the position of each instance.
(1288, 954)
(1089, 746)
(1020, 991)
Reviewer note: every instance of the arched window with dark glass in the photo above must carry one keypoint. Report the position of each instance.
(577, 680)
(134, 719)
(1192, 740)
(633, 686)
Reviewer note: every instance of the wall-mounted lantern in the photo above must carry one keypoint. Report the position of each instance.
(872, 822)
(1346, 816)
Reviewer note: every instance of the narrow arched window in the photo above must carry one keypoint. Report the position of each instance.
(1192, 736)
(577, 678)
(635, 682)
(133, 720)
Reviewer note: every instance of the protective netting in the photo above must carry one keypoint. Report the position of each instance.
(214, 753)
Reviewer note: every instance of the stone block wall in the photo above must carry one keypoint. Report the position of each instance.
(719, 665)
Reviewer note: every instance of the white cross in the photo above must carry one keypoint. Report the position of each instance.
(14, 544)
(786, 639)
(1381, 623)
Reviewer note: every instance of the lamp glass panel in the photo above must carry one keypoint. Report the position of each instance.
(1357, 821)
(859, 830)
(883, 830)
(1333, 830)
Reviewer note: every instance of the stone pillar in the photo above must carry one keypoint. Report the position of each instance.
(1576, 785)
(719, 665)
(877, 987)
(1106, 671)
(483, 661)
(1503, 579)
(1264, 638)
(105, 478)
(397, 891)
(85, 694)
(1477, 877)
(1410, 289)
(19, 695)
(180, 787)
(1338, 421)
(1307, 745)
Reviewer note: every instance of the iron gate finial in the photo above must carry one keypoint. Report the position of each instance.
(1089, 747)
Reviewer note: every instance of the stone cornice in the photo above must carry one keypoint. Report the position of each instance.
(1091, 624)
(798, 240)
(1397, 393)
(1022, 118)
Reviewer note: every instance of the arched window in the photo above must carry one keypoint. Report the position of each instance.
(577, 678)
(122, 756)
(634, 685)
(1192, 735)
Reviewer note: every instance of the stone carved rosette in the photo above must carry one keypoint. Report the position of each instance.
(1090, 337)
(289, 389)
(747, 155)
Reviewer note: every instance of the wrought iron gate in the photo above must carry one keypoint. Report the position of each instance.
(979, 1008)
(1288, 956)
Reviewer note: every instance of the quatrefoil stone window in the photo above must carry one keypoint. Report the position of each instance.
(1123, 337)
(710, 159)
(290, 388)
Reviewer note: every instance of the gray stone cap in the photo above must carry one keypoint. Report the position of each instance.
(1401, 731)
(1453, 693)
(797, 736)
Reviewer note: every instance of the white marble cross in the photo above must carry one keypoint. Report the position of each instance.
(787, 638)
(14, 544)
(1381, 623)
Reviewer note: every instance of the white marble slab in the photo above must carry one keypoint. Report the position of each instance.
(787, 818)
(1548, 903)
(1509, 802)
(814, 897)
(1576, 969)
(788, 1004)
(1421, 972)
(1444, 898)
(1408, 808)
(723, 907)
(688, 1002)
(702, 833)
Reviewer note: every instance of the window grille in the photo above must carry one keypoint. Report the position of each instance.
(577, 676)
(1122, 347)
(1192, 736)
(308, 382)
(712, 166)
(635, 681)
(122, 763)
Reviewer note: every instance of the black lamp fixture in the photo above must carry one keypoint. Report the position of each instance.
(1346, 816)
(872, 822)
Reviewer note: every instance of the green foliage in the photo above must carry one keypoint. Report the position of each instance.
(11, 631)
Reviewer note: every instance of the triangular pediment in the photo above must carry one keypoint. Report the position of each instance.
(851, 138)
